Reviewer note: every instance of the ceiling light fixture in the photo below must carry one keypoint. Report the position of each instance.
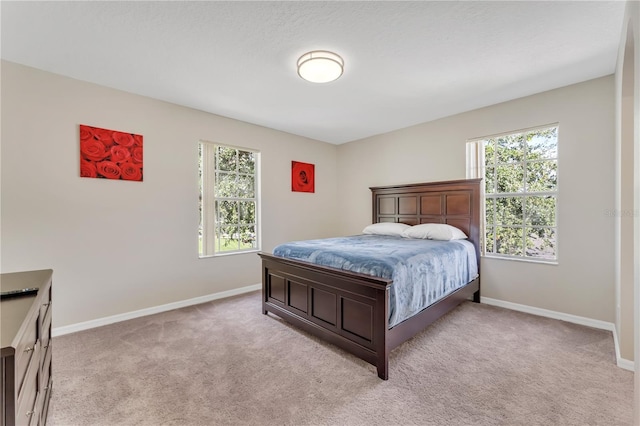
(320, 66)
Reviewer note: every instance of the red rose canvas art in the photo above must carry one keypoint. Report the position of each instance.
(110, 154)
(302, 177)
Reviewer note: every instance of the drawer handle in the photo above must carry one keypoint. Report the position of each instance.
(46, 346)
(29, 349)
(30, 413)
(46, 304)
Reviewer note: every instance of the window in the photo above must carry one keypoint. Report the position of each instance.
(228, 199)
(521, 194)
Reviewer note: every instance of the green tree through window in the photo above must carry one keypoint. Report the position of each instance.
(521, 194)
(228, 199)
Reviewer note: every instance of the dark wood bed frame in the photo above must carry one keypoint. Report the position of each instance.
(351, 310)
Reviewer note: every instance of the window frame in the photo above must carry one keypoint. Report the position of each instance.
(208, 226)
(521, 195)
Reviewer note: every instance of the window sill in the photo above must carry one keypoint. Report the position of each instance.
(526, 260)
(233, 253)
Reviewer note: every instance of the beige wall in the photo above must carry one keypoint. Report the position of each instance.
(583, 281)
(117, 246)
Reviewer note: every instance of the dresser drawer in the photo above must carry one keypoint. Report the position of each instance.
(45, 367)
(45, 395)
(45, 315)
(45, 328)
(26, 411)
(25, 351)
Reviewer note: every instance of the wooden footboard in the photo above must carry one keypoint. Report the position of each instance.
(346, 309)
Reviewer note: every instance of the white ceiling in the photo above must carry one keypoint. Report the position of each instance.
(405, 62)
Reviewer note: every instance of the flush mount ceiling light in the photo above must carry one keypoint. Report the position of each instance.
(320, 66)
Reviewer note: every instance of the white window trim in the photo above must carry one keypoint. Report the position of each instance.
(209, 200)
(476, 168)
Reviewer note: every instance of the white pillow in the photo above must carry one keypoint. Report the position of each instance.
(386, 228)
(434, 231)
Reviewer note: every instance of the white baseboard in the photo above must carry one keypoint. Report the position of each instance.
(621, 362)
(589, 322)
(59, 331)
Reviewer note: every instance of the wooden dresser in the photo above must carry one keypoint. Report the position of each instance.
(25, 372)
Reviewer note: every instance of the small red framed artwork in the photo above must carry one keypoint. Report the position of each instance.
(302, 177)
(110, 154)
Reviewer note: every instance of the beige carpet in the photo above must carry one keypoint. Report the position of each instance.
(224, 363)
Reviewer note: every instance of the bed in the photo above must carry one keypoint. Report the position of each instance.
(351, 309)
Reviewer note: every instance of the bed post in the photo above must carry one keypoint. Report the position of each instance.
(381, 327)
(265, 293)
(476, 295)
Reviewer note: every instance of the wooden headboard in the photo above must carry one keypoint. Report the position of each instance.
(455, 202)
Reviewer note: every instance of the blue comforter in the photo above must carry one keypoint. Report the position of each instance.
(423, 271)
